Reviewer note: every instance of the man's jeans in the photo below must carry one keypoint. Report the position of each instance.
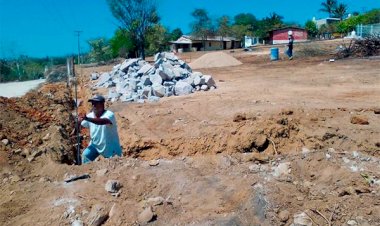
(89, 154)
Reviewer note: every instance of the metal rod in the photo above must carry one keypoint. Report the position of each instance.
(77, 126)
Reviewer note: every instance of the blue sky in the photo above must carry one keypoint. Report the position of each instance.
(42, 28)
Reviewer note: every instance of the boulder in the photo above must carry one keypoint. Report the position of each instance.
(113, 95)
(197, 80)
(157, 56)
(116, 67)
(204, 87)
(158, 90)
(146, 93)
(146, 215)
(103, 79)
(196, 73)
(153, 99)
(97, 216)
(182, 88)
(164, 76)
(94, 76)
(145, 69)
(145, 81)
(121, 87)
(169, 73)
(171, 56)
(209, 81)
(155, 79)
(112, 186)
(168, 83)
(302, 219)
(127, 63)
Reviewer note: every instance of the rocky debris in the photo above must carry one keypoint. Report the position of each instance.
(360, 120)
(56, 74)
(34, 155)
(5, 141)
(146, 216)
(352, 223)
(154, 162)
(255, 168)
(156, 201)
(15, 179)
(302, 219)
(135, 80)
(94, 76)
(97, 216)
(376, 111)
(112, 186)
(284, 216)
(282, 169)
(77, 223)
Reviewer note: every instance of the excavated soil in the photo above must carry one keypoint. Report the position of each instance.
(275, 139)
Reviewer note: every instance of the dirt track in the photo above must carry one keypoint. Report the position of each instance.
(216, 151)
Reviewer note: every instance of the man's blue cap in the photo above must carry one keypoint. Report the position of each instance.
(97, 98)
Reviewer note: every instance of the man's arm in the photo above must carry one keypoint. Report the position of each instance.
(98, 121)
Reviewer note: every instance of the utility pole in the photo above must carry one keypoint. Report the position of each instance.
(78, 34)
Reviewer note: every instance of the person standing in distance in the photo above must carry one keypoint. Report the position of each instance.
(290, 45)
(103, 131)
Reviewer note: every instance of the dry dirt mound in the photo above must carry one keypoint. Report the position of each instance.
(215, 59)
(38, 123)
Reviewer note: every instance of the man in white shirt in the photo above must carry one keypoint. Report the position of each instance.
(103, 131)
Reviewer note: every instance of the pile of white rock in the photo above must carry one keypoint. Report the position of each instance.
(135, 80)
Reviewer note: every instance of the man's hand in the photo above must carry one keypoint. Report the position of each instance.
(81, 117)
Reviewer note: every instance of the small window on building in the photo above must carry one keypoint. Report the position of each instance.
(209, 44)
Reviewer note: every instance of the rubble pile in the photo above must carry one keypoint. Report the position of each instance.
(135, 80)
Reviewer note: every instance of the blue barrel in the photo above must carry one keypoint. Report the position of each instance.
(274, 54)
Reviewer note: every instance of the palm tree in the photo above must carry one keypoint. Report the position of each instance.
(329, 7)
(340, 11)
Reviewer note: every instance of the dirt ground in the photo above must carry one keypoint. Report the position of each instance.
(274, 140)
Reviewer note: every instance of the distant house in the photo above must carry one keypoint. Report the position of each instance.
(187, 43)
(280, 36)
(325, 21)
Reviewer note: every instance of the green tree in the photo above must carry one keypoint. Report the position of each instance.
(137, 17)
(122, 44)
(100, 50)
(246, 19)
(5, 71)
(350, 24)
(156, 39)
(224, 26)
(329, 7)
(175, 34)
(273, 21)
(311, 28)
(372, 17)
(202, 27)
(239, 31)
(340, 11)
